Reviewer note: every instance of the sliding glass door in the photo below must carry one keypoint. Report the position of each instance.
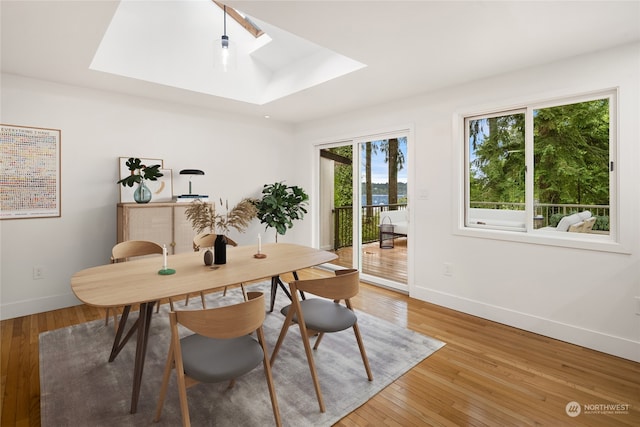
(363, 214)
(383, 211)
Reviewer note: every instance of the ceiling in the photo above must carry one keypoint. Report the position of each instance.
(407, 47)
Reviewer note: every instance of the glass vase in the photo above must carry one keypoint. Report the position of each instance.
(142, 194)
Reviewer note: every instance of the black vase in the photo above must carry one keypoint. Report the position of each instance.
(220, 250)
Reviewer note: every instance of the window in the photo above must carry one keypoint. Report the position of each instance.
(544, 168)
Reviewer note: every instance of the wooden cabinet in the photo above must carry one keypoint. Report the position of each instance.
(163, 223)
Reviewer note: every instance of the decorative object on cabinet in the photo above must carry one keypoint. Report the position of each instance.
(280, 206)
(190, 197)
(30, 172)
(135, 171)
(162, 189)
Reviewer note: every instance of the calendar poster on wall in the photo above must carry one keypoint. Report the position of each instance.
(29, 172)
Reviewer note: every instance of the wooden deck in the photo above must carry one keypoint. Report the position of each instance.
(390, 264)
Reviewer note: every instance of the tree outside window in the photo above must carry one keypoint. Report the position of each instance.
(571, 146)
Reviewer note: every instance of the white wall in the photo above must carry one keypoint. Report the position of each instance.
(581, 296)
(238, 155)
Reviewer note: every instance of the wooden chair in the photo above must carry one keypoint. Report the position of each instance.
(317, 316)
(206, 240)
(124, 251)
(217, 360)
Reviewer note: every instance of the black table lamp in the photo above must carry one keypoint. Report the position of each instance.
(191, 172)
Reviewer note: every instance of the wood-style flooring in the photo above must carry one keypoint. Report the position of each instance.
(488, 374)
(389, 263)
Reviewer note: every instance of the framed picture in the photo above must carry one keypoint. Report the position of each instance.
(29, 172)
(126, 192)
(162, 189)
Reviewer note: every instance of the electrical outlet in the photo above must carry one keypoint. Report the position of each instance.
(38, 272)
(448, 269)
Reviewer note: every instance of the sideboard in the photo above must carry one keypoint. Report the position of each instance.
(163, 223)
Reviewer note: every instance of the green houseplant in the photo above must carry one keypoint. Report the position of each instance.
(280, 205)
(138, 174)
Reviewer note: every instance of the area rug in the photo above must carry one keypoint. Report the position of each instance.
(80, 388)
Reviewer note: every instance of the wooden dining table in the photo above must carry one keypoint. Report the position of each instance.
(139, 282)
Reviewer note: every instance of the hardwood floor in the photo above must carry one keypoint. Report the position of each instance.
(387, 263)
(488, 374)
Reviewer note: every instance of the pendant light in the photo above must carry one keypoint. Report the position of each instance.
(225, 50)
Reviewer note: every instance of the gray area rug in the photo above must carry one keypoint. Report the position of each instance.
(80, 388)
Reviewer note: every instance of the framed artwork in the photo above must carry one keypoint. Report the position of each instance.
(162, 189)
(126, 193)
(29, 172)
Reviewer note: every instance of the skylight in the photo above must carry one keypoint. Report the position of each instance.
(171, 43)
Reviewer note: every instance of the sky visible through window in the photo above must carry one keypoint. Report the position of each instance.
(380, 169)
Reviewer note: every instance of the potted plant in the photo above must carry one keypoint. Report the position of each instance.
(280, 206)
(203, 216)
(140, 173)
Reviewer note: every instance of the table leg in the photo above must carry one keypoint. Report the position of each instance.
(144, 323)
(275, 281)
(295, 276)
(118, 344)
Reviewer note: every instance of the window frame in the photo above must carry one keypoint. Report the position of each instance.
(467, 154)
(599, 242)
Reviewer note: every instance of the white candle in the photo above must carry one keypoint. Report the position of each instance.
(164, 257)
(259, 244)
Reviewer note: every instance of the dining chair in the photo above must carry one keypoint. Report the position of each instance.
(206, 240)
(317, 316)
(222, 348)
(123, 251)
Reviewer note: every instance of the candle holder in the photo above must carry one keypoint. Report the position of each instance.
(164, 270)
(260, 255)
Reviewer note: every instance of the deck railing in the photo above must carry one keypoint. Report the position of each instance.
(370, 214)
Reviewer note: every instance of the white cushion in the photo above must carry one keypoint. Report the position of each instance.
(584, 215)
(576, 228)
(568, 221)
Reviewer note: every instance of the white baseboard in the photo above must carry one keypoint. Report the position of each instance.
(594, 340)
(38, 305)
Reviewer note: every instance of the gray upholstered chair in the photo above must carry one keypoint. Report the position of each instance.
(317, 316)
(222, 349)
